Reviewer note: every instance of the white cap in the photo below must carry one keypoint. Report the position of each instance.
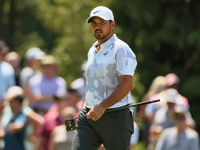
(14, 91)
(34, 53)
(171, 95)
(102, 12)
(78, 85)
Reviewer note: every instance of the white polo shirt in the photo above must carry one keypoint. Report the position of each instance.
(114, 59)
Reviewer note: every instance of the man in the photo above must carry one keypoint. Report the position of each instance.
(33, 57)
(42, 88)
(180, 137)
(164, 118)
(109, 76)
(7, 78)
(13, 131)
(13, 58)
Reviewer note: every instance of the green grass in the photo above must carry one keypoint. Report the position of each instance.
(140, 146)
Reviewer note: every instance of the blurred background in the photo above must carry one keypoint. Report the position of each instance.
(164, 35)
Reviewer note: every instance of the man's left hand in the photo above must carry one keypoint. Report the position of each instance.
(95, 112)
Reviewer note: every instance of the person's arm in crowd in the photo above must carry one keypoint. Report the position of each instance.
(51, 141)
(15, 127)
(18, 125)
(40, 138)
(161, 144)
(1, 104)
(27, 92)
(37, 96)
(119, 93)
(39, 145)
(36, 120)
(2, 131)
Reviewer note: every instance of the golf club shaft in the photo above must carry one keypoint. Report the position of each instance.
(127, 106)
(134, 105)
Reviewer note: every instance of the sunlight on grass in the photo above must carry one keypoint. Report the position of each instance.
(140, 146)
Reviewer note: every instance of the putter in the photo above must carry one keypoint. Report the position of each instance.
(71, 124)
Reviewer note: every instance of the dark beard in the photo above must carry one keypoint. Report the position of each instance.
(101, 37)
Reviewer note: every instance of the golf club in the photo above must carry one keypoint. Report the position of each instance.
(70, 124)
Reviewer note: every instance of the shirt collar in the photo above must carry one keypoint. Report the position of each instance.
(108, 42)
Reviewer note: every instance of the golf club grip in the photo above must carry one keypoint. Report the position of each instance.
(127, 106)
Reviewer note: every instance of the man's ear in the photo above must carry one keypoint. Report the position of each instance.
(113, 24)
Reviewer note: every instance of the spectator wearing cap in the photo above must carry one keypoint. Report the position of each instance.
(80, 83)
(13, 132)
(172, 83)
(179, 137)
(43, 87)
(163, 119)
(13, 58)
(157, 85)
(7, 78)
(34, 121)
(76, 93)
(52, 118)
(32, 65)
(170, 92)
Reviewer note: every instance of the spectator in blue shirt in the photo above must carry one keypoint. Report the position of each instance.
(13, 132)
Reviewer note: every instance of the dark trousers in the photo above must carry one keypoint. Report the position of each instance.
(113, 130)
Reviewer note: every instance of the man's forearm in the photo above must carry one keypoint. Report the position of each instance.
(118, 94)
(46, 99)
(83, 104)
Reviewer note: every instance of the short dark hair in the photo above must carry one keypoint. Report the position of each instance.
(19, 98)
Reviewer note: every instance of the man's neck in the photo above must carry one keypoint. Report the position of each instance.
(181, 129)
(101, 41)
(98, 48)
(49, 76)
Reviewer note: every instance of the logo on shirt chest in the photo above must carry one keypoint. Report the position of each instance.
(105, 53)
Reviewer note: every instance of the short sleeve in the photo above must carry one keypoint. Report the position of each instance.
(125, 61)
(22, 119)
(26, 110)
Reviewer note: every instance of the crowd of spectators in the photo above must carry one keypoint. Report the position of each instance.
(160, 119)
(35, 101)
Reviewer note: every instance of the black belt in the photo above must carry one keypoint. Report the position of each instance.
(117, 108)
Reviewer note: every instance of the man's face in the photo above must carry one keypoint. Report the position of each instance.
(49, 70)
(170, 105)
(14, 104)
(180, 119)
(102, 29)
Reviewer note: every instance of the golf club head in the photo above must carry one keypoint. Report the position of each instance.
(70, 125)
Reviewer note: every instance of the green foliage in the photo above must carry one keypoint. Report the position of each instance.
(139, 146)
